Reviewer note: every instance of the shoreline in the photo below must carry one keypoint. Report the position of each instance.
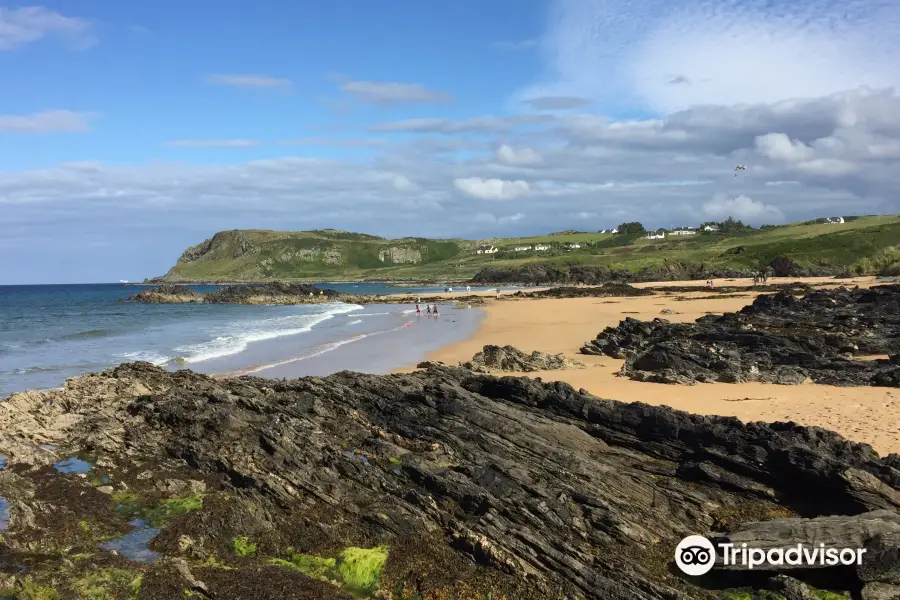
(563, 325)
(380, 351)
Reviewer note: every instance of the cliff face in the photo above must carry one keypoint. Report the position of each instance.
(261, 255)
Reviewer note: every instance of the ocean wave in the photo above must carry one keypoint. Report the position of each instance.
(83, 335)
(150, 357)
(319, 351)
(235, 342)
(370, 314)
(356, 322)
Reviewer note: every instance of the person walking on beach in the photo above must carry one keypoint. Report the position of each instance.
(427, 310)
(468, 288)
(435, 310)
(418, 310)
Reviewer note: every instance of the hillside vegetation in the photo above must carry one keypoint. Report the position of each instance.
(864, 244)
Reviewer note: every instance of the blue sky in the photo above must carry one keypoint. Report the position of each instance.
(148, 74)
(129, 131)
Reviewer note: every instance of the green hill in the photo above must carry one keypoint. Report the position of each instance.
(258, 255)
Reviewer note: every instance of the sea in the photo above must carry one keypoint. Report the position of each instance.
(49, 333)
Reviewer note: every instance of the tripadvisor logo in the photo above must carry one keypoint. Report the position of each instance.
(695, 555)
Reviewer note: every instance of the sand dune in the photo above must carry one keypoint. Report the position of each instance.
(865, 414)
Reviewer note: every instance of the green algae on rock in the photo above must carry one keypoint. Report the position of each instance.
(512, 487)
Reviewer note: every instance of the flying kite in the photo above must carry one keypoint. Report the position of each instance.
(739, 168)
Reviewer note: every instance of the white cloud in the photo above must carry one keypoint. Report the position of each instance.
(28, 24)
(212, 143)
(523, 156)
(48, 121)
(250, 81)
(778, 146)
(742, 208)
(491, 189)
(385, 92)
(678, 169)
(671, 56)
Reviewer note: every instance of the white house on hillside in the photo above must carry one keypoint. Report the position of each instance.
(573, 245)
(522, 248)
(710, 228)
(541, 247)
(486, 249)
(834, 220)
(656, 236)
(683, 231)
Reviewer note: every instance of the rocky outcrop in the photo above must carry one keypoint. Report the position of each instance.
(286, 294)
(776, 339)
(442, 483)
(493, 359)
(271, 293)
(167, 294)
(400, 255)
(606, 290)
(556, 274)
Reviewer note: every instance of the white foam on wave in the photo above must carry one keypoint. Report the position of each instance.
(150, 357)
(356, 322)
(370, 314)
(318, 352)
(245, 333)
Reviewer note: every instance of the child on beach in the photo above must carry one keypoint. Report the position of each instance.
(427, 310)
(435, 310)
(418, 310)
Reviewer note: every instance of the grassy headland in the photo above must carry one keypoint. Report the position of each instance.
(865, 245)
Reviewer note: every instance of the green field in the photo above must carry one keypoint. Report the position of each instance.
(330, 255)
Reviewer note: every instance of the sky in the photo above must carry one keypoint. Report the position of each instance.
(132, 130)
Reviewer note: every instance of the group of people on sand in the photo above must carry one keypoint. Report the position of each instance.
(428, 310)
(761, 277)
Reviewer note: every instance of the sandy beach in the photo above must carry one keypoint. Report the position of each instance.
(864, 414)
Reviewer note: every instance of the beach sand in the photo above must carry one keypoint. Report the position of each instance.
(863, 414)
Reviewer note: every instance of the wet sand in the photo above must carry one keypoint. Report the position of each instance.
(864, 414)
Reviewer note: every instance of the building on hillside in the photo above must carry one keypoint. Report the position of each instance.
(834, 220)
(486, 249)
(710, 228)
(522, 248)
(614, 230)
(541, 247)
(656, 235)
(683, 231)
(573, 245)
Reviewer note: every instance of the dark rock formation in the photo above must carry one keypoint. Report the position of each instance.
(512, 360)
(269, 293)
(793, 288)
(167, 294)
(604, 291)
(782, 267)
(283, 293)
(556, 274)
(777, 339)
(474, 486)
